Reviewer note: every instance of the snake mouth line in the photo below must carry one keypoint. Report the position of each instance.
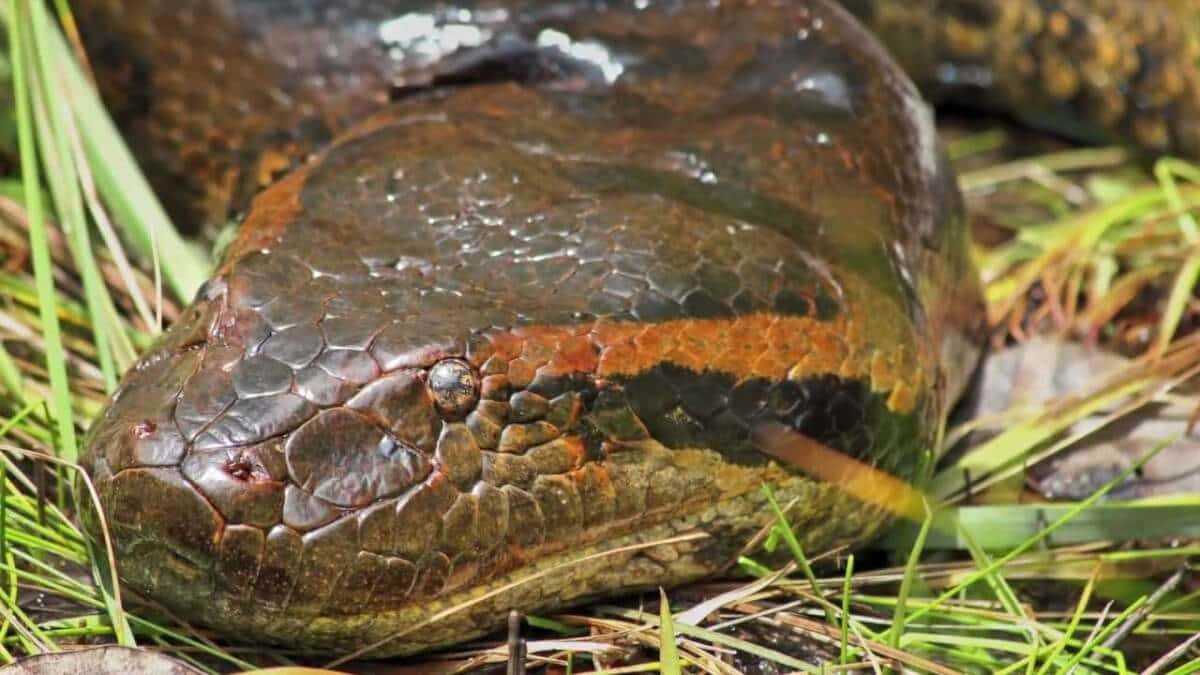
(686, 544)
(615, 549)
(679, 544)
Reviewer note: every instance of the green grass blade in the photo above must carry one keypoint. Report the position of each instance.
(910, 574)
(121, 183)
(39, 247)
(716, 638)
(668, 653)
(1187, 668)
(62, 179)
(1182, 290)
(1008, 447)
(789, 536)
(753, 567)
(10, 375)
(996, 581)
(844, 646)
(1092, 644)
(748, 647)
(1004, 526)
(1044, 534)
(1076, 618)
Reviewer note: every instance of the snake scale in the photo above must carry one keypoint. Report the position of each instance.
(518, 287)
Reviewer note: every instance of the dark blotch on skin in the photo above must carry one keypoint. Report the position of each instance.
(683, 408)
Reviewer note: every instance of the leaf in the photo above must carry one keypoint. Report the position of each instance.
(109, 659)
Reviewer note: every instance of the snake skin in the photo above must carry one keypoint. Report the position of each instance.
(221, 114)
(1099, 70)
(508, 341)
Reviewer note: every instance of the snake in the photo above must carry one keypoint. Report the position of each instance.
(529, 301)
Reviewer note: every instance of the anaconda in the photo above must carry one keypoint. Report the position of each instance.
(528, 281)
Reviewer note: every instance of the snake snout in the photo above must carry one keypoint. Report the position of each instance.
(138, 430)
(155, 517)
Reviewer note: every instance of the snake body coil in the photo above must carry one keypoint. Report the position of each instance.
(513, 339)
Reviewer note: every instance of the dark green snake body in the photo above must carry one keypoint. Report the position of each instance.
(541, 295)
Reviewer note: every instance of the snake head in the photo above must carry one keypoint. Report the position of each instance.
(492, 329)
(257, 466)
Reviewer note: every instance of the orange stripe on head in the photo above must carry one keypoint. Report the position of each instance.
(272, 212)
(759, 345)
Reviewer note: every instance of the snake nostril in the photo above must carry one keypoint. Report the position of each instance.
(241, 468)
(454, 387)
(144, 429)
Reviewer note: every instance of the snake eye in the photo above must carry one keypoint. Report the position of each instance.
(454, 387)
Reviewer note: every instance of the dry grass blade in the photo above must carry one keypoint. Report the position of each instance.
(1067, 160)
(816, 628)
(717, 639)
(1172, 656)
